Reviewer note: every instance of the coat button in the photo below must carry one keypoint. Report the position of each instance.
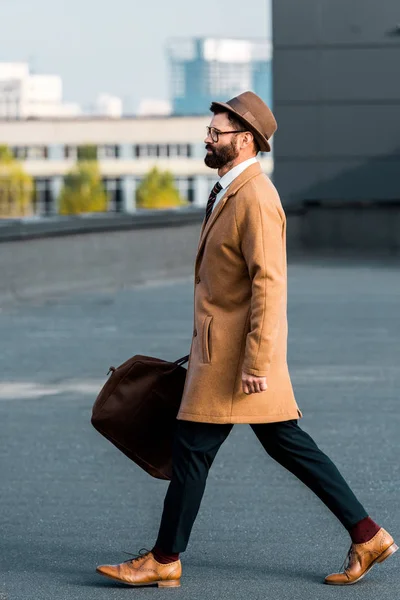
(197, 279)
(195, 332)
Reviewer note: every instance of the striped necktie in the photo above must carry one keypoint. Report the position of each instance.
(211, 199)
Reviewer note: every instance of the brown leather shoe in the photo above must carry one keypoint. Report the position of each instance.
(144, 570)
(362, 557)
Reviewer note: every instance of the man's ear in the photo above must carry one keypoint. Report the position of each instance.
(248, 138)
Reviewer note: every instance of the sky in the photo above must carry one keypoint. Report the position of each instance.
(119, 46)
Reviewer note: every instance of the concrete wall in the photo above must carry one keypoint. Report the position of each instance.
(50, 259)
(337, 99)
(368, 229)
(55, 266)
(55, 256)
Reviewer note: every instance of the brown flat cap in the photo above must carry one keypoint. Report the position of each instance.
(254, 114)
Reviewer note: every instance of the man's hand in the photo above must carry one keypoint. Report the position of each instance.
(252, 384)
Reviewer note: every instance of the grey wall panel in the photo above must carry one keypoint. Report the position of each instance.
(337, 22)
(357, 131)
(336, 75)
(296, 75)
(295, 22)
(295, 178)
(362, 74)
(341, 179)
(358, 21)
(297, 132)
(347, 110)
(353, 131)
(360, 180)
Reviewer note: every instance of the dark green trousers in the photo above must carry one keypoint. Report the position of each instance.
(195, 447)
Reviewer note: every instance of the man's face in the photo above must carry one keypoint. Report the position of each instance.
(226, 149)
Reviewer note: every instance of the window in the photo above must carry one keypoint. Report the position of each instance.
(19, 152)
(70, 152)
(84, 152)
(184, 150)
(226, 78)
(30, 152)
(146, 150)
(37, 152)
(162, 150)
(190, 191)
(138, 181)
(181, 150)
(87, 152)
(152, 150)
(185, 187)
(113, 188)
(43, 199)
(178, 80)
(173, 150)
(108, 151)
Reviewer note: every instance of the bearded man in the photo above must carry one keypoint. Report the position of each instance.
(237, 371)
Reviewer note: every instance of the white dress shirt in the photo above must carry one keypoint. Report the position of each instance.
(227, 179)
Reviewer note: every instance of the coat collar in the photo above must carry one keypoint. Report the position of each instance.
(251, 171)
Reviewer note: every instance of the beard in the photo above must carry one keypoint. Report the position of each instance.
(219, 157)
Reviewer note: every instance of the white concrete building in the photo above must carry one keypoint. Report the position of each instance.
(149, 107)
(127, 149)
(24, 96)
(108, 106)
(13, 70)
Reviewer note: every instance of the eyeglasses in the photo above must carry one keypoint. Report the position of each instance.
(215, 133)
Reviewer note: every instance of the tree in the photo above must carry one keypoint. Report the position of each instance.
(158, 190)
(87, 152)
(16, 187)
(83, 190)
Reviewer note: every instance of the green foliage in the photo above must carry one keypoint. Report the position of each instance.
(16, 186)
(87, 152)
(6, 155)
(158, 190)
(83, 190)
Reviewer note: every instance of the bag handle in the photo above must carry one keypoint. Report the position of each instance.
(182, 360)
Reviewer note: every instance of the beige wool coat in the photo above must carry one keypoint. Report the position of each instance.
(240, 309)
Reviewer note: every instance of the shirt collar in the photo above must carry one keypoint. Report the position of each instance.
(227, 179)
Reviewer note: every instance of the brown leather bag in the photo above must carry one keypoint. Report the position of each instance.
(136, 410)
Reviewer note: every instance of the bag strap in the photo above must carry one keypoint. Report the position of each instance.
(182, 360)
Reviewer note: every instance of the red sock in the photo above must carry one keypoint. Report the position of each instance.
(164, 557)
(363, 531)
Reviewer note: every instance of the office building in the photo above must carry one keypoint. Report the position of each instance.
(207, 69)
(127, 149)
(23, 95)
(108, 106)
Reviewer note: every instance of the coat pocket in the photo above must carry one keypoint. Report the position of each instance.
(206, 338)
